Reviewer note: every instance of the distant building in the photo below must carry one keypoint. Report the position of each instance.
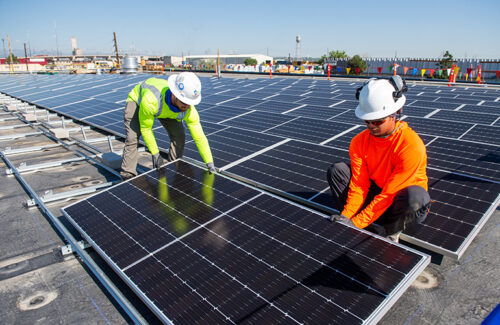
(212, 59)
(74, 48)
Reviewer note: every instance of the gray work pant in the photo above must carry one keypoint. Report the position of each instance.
(175, 130)
(410, 206)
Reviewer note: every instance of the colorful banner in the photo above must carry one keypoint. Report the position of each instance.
(405, 69)
(423, 72)
(449, 71)
(440, 72)
(466, 77)
(357, 70)
(498, 74)
(379, 70)
(348, 70)
(432, 72)
(414, 71)
(339, 69)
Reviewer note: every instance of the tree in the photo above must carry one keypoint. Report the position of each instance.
(15, 59)
(357, 62)
(446, 62)
(332, 55)
(250, 61)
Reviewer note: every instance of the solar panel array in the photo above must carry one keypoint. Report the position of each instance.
(248, 121)
(201, 248)
(280, 135)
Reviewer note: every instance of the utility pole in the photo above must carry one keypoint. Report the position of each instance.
(11, 64)
(26, 57)
(4, 54)
(116, 50)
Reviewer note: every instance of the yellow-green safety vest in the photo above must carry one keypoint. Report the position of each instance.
(150, 98)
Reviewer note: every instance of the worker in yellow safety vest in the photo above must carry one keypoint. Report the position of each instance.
(171, 102)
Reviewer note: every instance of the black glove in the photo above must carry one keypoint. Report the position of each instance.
(342, 219)
(157, 160)
(211, 168)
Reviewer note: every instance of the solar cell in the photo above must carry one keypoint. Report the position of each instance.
(240, 255)
(318, 101)
(481, 109)
(436, 104)
(243, 102)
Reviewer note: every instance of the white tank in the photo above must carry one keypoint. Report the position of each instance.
(129, 64)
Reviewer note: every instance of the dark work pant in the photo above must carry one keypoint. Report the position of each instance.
(175, 130)
(411, 204)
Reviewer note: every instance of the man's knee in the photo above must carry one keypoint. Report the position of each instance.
(417, 202)
(339, 170)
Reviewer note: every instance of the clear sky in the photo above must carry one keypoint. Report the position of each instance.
(377, 28)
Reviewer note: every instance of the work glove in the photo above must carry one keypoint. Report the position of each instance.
(342, 219)
(157, 160)
(211, 168)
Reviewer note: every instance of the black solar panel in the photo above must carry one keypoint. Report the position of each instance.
(258, 121)
(275, 106)
(436, 104)
(465, 116)
(481, 109)
(243, 102)
(239, 255)
(218, 114)
(474, 159)
(318, 112)
(438, 127)
(231, 144)
(312, 130)
(484, 134)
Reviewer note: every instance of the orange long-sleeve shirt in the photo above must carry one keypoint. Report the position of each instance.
(393, 163)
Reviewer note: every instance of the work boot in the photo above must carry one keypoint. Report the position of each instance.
(395, 236)
(126, 175)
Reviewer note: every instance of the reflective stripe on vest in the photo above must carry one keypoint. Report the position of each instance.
(155, 92)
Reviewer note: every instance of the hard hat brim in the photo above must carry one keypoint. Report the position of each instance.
(382, 113)
(178, 94)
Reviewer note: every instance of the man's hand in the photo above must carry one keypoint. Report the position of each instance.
(211, 168)
(342, 219)
(157, 160)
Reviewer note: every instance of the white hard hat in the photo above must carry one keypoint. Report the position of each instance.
(379, 98)
(186, 87)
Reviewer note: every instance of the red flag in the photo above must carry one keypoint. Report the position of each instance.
(432, 72)
(379, 70)
(357, 70)
(405, 69)
(498, 74)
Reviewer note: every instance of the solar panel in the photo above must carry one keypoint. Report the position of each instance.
(218, 114)
(258, 121)
(239, 255)
(438, 127)
(275, 106)
(318, 112)
(318, 101)
(312, 130)
(481, 109)
(436, 104)
(474, 159)
(470, 117)
(232, 144)
(243, 102)
(484, 134)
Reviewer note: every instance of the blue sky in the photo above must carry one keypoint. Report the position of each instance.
(378, 28)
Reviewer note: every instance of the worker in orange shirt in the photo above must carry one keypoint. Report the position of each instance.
(386, 180)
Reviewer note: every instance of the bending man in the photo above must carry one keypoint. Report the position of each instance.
(386, 180)
(171, 102)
